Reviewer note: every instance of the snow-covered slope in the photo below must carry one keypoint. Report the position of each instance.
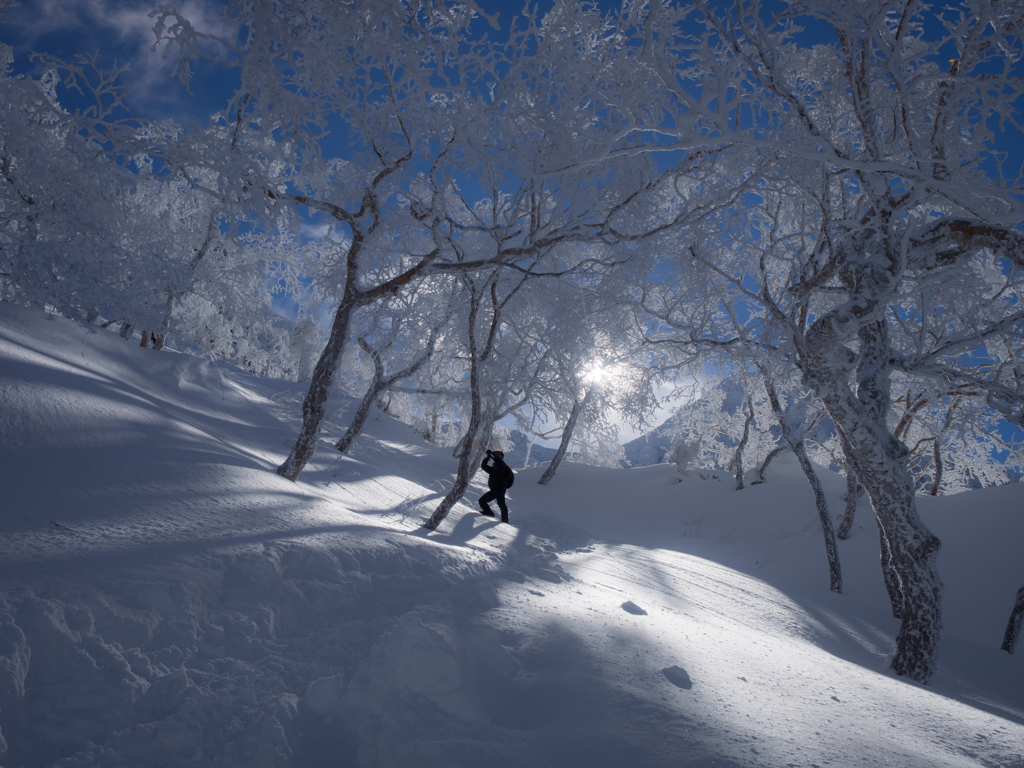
(168, 600)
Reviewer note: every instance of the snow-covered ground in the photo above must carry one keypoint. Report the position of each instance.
(168, 600)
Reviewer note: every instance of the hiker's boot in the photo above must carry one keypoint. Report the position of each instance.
(486, 511)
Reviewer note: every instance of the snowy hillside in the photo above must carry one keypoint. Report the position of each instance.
(168, 600)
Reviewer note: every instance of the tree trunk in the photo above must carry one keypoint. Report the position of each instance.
(1014, 624)
(853, 494)
(937, 459)
(381, 383)
(469, 463)
(889, 575)
(761, 476)
(577, 408)
(470, 451)
(879, 459)
(315, 404)
(359, 420)
(462, 446)
(737, 459)
(479, 427)
(467, 467)
(432, 436)
(835, 572)
(126, 330)
(880, 462)
(529, 450)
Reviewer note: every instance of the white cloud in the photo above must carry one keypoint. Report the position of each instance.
(323, 232)
(91, 22)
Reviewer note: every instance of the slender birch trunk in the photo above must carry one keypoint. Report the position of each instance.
(380, 384)
(359, 419)
(937, 460)
(315, 405)
(737, 459)
(853, 494)
(468, 456)
(762, 476)
(577, 408)
(889, 575)
(480, 428)
(1014, 624)
(879, 460)
(529, 450)
(835, 572)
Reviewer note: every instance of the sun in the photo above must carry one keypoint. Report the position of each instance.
(600, 374)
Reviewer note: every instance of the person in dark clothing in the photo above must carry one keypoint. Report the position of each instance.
(499, 478)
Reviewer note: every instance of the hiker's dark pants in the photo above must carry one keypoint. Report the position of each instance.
(498, 496)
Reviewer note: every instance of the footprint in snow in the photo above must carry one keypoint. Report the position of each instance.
(630, 607)
(678, 677)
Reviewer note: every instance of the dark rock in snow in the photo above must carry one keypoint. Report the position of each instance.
(678, 676)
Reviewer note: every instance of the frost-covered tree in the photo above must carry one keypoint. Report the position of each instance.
(430, 101)
(886, 228)
(794, 439)
(483, 322)
(80, 233)
(583, 369)
(400, 338)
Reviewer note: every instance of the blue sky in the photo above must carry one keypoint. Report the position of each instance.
(121, 30)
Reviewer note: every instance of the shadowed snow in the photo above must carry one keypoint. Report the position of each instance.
(168, 600)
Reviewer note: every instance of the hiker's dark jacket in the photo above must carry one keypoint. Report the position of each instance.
(497, 476)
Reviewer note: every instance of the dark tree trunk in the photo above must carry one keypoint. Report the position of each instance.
(854, 490)
(381, 382)
(937, 445)
(890, 578)
(577, 408)
(937, 459)
(479, 427)
(737, 459)
(889, 575)
(878, 458)
(467, 466)
(880, 462)
(835, 571)
(1014, 624)
(470, 451)
(359, 420)
(315, 404)
(761, 476)
(462, 446)
(126, 330)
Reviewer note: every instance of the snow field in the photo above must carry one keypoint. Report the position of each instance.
(193, 608)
